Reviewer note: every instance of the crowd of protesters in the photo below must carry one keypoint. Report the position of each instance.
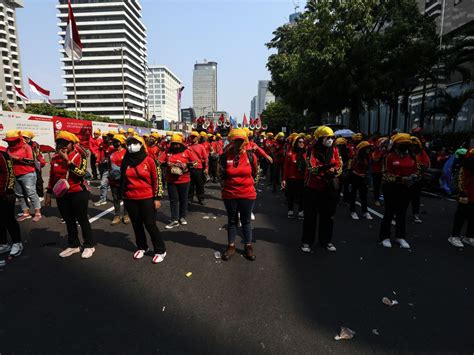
(317, 172)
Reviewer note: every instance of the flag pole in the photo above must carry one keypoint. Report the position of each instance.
(74, 80)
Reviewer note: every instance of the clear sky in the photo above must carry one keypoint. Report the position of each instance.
(180, 32)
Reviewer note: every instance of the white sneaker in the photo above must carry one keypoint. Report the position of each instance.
(305, 248)
(456, 242)
(183, 221)
(403, 243)
(252, 217)
(368, 216)
(87, 253)
(468, 241)
(301, 215)
(354, 216)
(387, 243)
(331, 247)
(172, 225)
(100, 203)
(291, 214)
(158, 258)
(139, 254)
(377, 203)
(5, 248)
(69, 251)
(417, 219)
(16, 249)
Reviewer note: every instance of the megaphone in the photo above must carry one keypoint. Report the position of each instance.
(265, 127)
(206, 125)
(258, 126)
(252, 127)
(219, 123)
(239, 125)
(227, 124)
(246, 125)
(194, 125)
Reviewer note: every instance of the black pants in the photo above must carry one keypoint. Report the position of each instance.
(197, 184)
(358, 184)
(377, 181)
(102, 169)
(320, 204)
(276, 176)
(416, 198)
(464, 213)
(178, 195)
(39, 183)
(73, 207)
(294, 193)
(213, 168)
(346, 186)
(8, 221)
(397, 198)
(143, 216)
(264, 166)
(93, 166)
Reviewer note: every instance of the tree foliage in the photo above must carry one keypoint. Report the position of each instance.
(344, 54)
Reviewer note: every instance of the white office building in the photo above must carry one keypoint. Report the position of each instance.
(253, 107)
(163, 89)
(10, 67)
(114, 40)
(205, 88)
(264, 96)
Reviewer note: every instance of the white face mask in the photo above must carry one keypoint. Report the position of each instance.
(134, 147)
(328, 142)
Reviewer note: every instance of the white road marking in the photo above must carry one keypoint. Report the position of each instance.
(102, 214)
(371, 210)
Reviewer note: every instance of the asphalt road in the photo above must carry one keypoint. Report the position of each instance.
(284, 302)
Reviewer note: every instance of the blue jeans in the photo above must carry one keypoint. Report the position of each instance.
(245, 208)
(26, 185)
(104, 185)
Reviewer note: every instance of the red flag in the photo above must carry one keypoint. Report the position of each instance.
(38, 90)
(20, 94)
(72, 40)
(244, 122)
(221, 118)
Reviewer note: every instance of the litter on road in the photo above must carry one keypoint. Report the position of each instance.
(345, 334)
(387, 301)
(189, 274)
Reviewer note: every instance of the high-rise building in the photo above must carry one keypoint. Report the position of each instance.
(253, 107)
(452, 15)
(10, 68)
(264, 96)
(114, 40)
(163, 89)
(205, 88)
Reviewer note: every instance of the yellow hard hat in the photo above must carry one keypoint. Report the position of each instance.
(169, 133)
(401, 138)
(177, 138)
(96, 131)
(363, 144)
(28, 134)
(155, 135)
(357, 137)
(111, 133)
(137, 138)
(67, 136)
(120, 138)
(280, 135)
(12, 135)
(203, 134)
(131, 130)
(121, 131)
(238, 133)
(194, 134)
(269, 134)
(323, 131)
(341, 141)
(218, 135)
(416, 141)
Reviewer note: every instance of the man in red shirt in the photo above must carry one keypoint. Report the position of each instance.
(94, 143)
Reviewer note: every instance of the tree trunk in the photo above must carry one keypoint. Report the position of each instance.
(369, 122)
(422, 108)
(354, 116)
(406, 101)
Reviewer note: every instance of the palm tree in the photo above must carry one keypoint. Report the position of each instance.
(451, 105)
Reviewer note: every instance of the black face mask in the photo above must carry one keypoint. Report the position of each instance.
(116, 144)
(403, 148)
(61, 144)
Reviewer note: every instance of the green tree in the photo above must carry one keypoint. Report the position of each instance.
(278, 114)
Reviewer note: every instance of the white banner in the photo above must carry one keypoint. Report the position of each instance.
(105, 126)
(41, 126)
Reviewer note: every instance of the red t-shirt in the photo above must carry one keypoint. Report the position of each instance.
(182, 159)
(320, 179)
(397, 166)
(26, 164)
(116, 159)
(77, 171)
(378, 157)
(200, 154)
(360, 165)
(207, 146)
(290, 167)
(239, 182)
(423, 160)
(153, 152)
(143, 181)
(94, 144)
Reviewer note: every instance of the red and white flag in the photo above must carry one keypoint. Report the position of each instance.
(20, 94)
(244, 121)
(38, 90)
(72, 41)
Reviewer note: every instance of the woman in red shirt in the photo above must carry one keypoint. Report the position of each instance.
(293, 176)
(358, 177)
(23, 160)
(401, 172)
(70, 163)
(141, 191)
(323, 168)
(377, 158)
(179, 159)
(115, 162)
(424, 163)
(238, 170)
